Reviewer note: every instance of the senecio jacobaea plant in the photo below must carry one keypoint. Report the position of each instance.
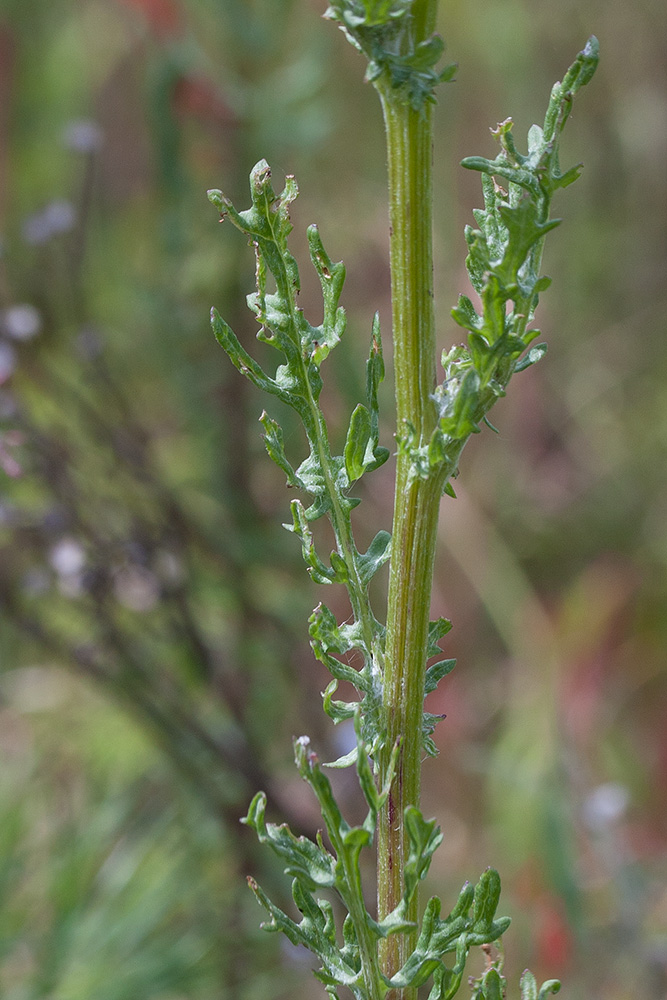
(398, 949)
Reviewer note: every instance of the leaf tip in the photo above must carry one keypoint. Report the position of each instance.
(217, 198)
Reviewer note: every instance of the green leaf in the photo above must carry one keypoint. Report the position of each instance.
(298, 383)
(465, 314)
(308, 862)
(340, 568)
(436, 672)
(356, 446)
(487, 896)
(501, 168)
(524, 230)
(381, 30)
(458, 932)
(375, 556)
(374, 371)
(312, 932)
(242, 360)
(332, 278)
(461, 419)
(274, 443)
(534, 355)
(318, 571)
(429, 722)
(326, 638)
(437, 630)
(492, 985)
(424, 838)
(528, 986)
(373, 797)
(310, 770)
(339, 711)
(362, 451)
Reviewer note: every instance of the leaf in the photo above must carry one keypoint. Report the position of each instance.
(429, 722)
(465, 314)
(374, 369)
(458, 932)
(367, 784)
(524, 230)
(326, 639)
(312, 865)
(503, 262)
(312, 932)
(339, 711)
(528, 987)
(340, 568)
(464, 419)
(326, 477)
(487, 896)
(436, 672)
(376, 555)
(332, 278)
(424, 839)
(318, 571)
(242, 360)
(492, 985)
(356, 444)
(324, 629)
(309, 768)
(362, 450)
(437, 630)
(551, 986)
(275, 447)
(376, 28)
(534, 355)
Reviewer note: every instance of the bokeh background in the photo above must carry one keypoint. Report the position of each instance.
(153, 654)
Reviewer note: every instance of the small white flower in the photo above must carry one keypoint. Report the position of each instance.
(58, 217)
(21, 322)
(83, 136)
(605, 805)
(67, 557)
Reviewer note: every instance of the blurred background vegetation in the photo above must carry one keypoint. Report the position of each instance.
(153, 655)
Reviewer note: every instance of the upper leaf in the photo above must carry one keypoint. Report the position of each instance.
(382, 30)
(310, 863)
(504, 259)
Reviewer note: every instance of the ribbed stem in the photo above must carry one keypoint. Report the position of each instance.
(409, 148)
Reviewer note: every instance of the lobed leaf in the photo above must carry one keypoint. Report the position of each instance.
(307, 861)
(437, 630)
(458, 932)
(375, 556)
(381, 29)
(313, 932)
(318, 571)
(436, 672)
(275, 447)
(424, 838)
(504, 257)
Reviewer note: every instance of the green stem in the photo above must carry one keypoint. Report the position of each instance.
(416, 505)
(340, 521)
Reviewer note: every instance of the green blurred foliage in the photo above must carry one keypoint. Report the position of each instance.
(153, 644)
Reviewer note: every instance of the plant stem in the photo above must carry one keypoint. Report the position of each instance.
(409, 150)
